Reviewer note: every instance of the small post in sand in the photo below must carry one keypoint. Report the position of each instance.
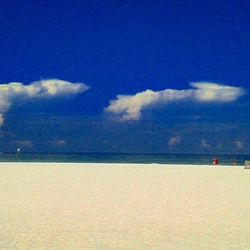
(247, 164)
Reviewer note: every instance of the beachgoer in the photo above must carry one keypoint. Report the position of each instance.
(215, 161)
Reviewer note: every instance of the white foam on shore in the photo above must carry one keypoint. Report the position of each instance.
(123, 206)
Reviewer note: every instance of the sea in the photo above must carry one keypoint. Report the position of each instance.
(194, 159)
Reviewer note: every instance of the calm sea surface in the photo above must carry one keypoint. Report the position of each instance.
(125, 158)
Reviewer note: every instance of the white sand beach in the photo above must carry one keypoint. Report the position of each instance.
(123, 206)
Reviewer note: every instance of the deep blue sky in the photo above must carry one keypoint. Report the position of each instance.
(125, 47)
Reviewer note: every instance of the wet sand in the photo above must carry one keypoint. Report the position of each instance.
(123, 206)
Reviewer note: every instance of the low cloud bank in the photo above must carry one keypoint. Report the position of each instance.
(204, 144)
(24, 143)
(174, 140)
(14, 92)
(239, 145)
(129, 107)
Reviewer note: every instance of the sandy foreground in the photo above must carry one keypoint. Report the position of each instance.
(123, 206)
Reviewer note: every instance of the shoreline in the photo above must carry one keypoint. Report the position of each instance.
(120, 164)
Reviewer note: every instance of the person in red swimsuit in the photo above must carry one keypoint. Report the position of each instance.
(215, 161)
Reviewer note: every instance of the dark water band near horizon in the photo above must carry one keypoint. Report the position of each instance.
(194, 159)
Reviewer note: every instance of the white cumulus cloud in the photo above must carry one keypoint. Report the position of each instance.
(129, 107)
(213, 92)
(13, 92)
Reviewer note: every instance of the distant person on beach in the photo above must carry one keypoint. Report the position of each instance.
(234, 162)
(215, 161)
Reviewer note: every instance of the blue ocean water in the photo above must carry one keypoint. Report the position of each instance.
(124, 158)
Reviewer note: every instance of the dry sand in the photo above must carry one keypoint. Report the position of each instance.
(104, 206)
